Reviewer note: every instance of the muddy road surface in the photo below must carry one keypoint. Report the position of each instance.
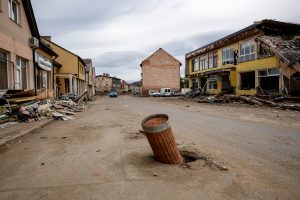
(101, 154)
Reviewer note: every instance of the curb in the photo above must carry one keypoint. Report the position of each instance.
(12, 138)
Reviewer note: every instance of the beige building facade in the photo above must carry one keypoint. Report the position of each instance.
(16, 57)
(160, 70)
(25, 62)
(103, 83)
(89, 77)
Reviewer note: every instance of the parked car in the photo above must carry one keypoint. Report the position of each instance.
(154, 93)
(113, 93)
(165, 92)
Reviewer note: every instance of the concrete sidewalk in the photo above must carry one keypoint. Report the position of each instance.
(15, 131)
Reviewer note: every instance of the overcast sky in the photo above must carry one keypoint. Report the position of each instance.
(119, 34)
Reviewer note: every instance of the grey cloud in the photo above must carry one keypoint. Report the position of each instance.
(123, 64)
(126, 63)
(73, 15)
(180, 47)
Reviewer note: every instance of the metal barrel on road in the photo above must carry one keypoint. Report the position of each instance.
(160, 137)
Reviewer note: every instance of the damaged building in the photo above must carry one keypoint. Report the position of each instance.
(263, 57)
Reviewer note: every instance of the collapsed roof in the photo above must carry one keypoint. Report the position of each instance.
(286, 48)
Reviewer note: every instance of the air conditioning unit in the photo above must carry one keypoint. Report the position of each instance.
(33, 42)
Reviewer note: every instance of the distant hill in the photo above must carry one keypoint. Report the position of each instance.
(137, 83)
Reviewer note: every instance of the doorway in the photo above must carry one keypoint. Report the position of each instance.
(225, 83)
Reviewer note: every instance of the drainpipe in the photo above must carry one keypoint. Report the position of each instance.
(34, 72)
(78, 85)
(54, 79)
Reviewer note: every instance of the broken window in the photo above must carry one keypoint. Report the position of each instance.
(3, 70)
(247, 80)
(263, 52)
(212, 83)
(227, 56)
(269, 80)
(212, 60)
(247, 51)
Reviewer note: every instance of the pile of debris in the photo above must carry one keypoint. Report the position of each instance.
(291, 103)
(35, 110)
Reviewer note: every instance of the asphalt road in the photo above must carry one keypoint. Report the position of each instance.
(100, 154)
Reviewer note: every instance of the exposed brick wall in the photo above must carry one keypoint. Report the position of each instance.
(160, 70)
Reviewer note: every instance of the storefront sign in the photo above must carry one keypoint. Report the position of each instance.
(44, 62)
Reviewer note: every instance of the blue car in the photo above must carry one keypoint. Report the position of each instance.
(113, 93)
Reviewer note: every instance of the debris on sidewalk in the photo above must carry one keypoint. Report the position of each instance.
(34, 110)
(7, 124)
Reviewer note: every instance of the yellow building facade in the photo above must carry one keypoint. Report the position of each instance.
(70, 77)
(239, 63)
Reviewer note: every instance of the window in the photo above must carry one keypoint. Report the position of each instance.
(203, 63)
(247, 80)
(194, 83)
(49, 78)
(269, 80)
(3, 70)
(21, 74)
(268, 72)
(13, 10)
(227, 56)
(212, 83)
(263, 52)
(247, 51)
(195, 64)
(212, 60)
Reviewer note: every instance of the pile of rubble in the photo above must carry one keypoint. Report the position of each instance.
(44, 109)
(282, 102)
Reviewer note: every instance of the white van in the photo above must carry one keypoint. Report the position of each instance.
(153, 93)
(165, 92)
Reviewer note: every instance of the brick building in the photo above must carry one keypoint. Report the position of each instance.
(160, 70)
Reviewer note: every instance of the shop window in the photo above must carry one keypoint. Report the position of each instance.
(3, 70)
(13, 10)
(227, 56)
(38, 78)
(49, 78)
(194, 83)
(247, 80)
(212, 83)
(247, 51)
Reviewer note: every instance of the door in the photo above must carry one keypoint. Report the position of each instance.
(226, 83)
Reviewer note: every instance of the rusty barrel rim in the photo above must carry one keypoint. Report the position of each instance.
(155, 128)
